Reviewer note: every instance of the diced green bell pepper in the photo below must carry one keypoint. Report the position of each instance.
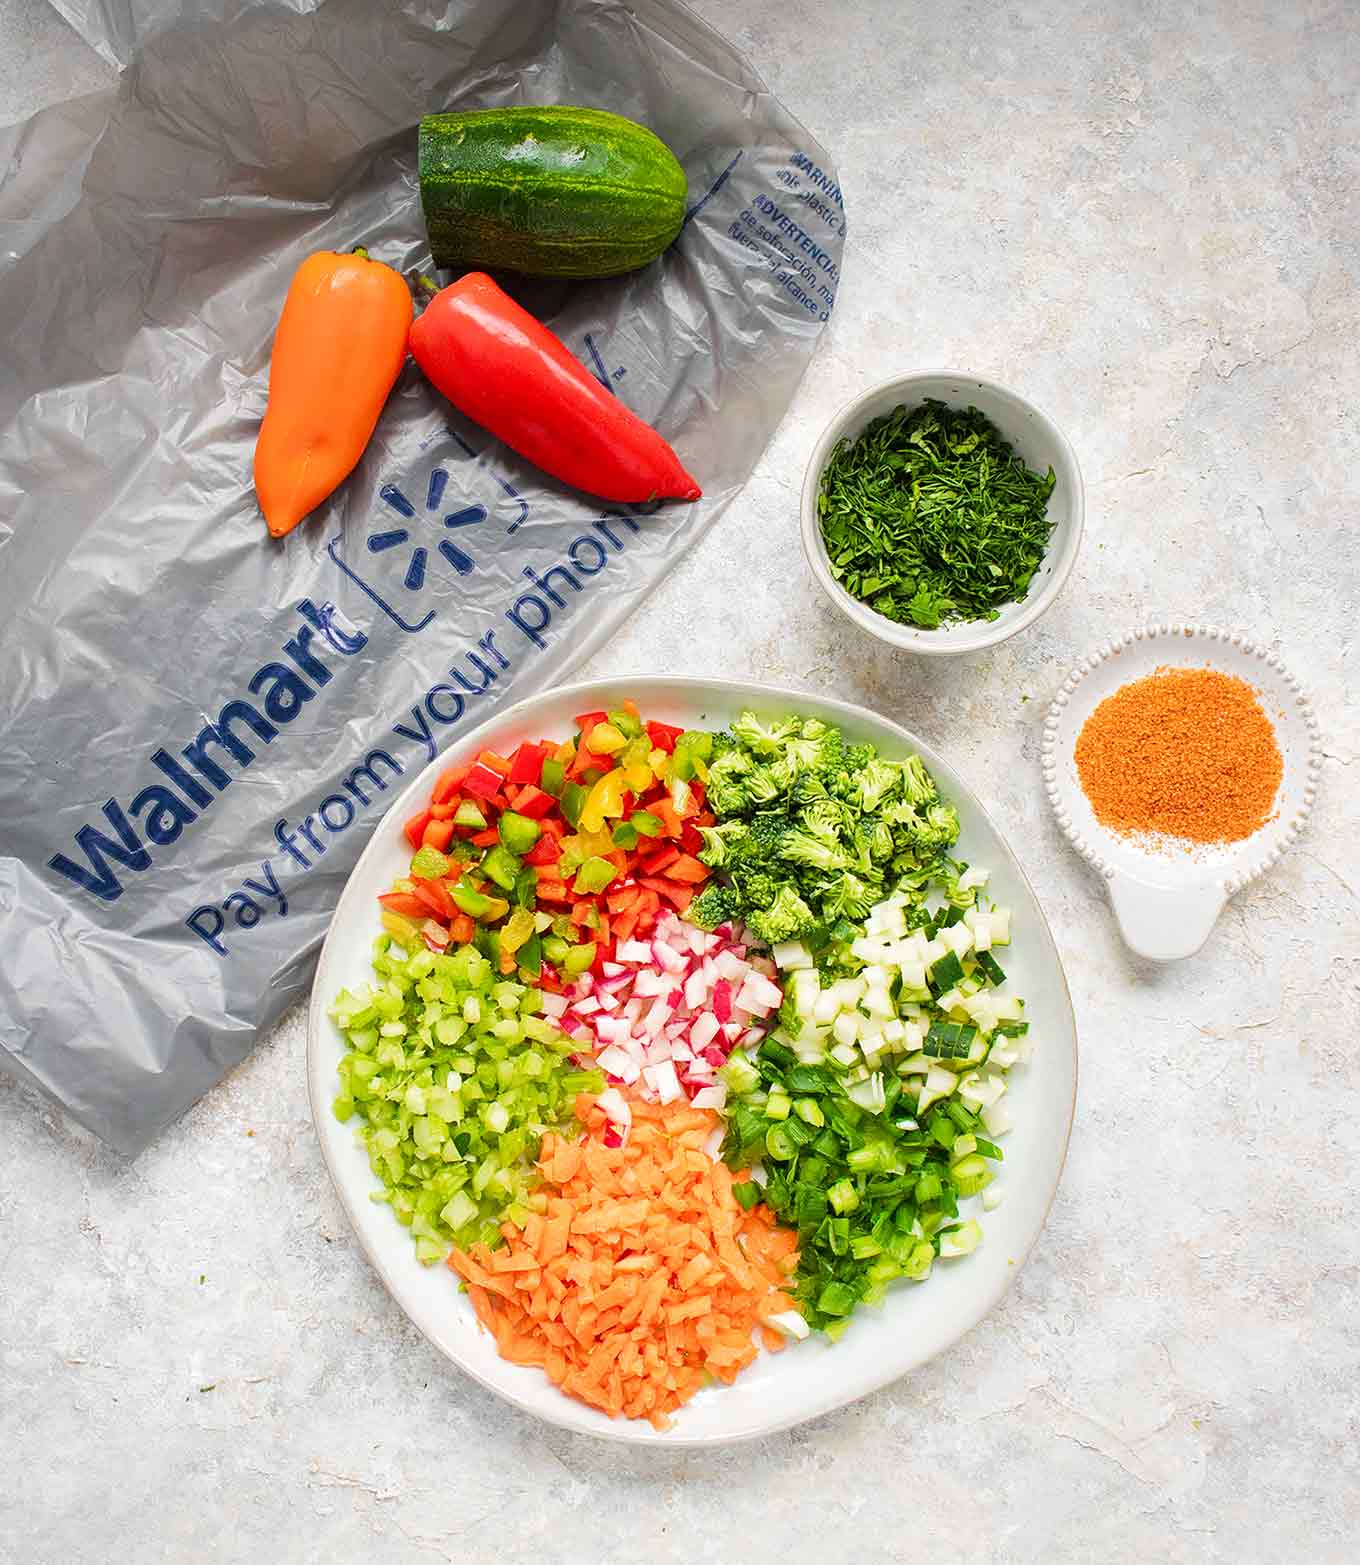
(518, 833)
(430, 864)
(594, 875)
(501, 866)
(574, 796)
(467, 899)
(554, 778)
(526, 887)
(578, 960)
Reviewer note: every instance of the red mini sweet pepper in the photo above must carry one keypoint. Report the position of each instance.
(510, 374)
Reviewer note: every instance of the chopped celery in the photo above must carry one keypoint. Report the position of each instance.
(453, 1089)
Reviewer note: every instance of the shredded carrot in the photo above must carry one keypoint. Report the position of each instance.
(644, 1278)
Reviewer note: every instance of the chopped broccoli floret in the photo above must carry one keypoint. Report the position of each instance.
(786, 918)
(917, 783)
(801, 847)
(764, 739)
(768, 831)
(848, 895)
(812, 831)
(873, 783)
(713, 906)
(722, 843)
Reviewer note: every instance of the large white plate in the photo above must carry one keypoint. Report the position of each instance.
(916, 1321)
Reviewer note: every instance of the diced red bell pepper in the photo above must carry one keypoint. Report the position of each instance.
(415, 828)
(482, 782)
(434, 894)
(671, 824)
(554, 825)
(698, 791)
(449, 783)
(485, 839)
(690, 840)
(663, 736)
(534, 803)
(675, 892)
(553, 890)
(437, 834)
(687, 869)
(654, 863)
(404, 903)
(526, 765)
(443, 812)
(626, 923)
(461, 930)
(494, 762)
(588, 720)
(546, 850)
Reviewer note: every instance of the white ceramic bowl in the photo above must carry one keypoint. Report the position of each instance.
(1038, 441)
(914, 1323)
(1167, 900)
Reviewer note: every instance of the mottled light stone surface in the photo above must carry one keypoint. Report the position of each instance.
(1145, 216)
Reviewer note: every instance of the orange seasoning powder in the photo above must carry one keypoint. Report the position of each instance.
(1187, 752)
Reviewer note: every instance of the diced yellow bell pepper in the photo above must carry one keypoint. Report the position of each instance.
(400, 928)
(605, 800)
(517, 929)
(638, 776)
(604, 739)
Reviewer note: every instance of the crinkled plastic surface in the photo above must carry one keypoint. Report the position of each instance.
(199, 725)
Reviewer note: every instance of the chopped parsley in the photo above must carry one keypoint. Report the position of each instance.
(930, 516)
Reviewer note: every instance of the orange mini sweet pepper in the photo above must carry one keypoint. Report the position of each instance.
(338, 350)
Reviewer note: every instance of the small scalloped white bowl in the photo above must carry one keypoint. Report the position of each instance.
(1040, 444)
(1166, 897)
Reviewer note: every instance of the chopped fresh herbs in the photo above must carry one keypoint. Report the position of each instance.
(930, 516)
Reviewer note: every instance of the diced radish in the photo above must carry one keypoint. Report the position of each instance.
(704, 1030)
(711, 1097)
(758, 995)
(665, 1011)
(722, 1000)
(618, 1062)
(667, 1082)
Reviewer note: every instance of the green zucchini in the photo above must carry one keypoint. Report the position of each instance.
(549, 190)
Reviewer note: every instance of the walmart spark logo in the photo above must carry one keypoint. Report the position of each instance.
(400, 556)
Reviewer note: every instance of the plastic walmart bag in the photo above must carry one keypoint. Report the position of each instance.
(199, 726)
